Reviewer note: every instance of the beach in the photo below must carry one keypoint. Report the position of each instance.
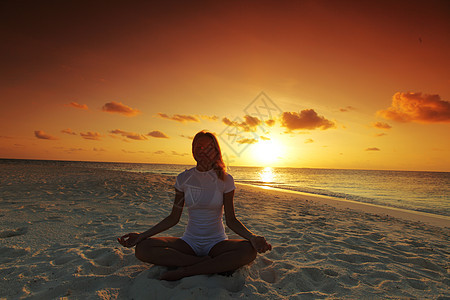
(59, 229)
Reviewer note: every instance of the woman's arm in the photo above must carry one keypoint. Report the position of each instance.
(169, 221)
(230, 217)
(258, 242)
(131, 239)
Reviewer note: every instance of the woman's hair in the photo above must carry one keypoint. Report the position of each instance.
(218, 165)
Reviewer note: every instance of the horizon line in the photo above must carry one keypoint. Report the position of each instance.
(153, 163)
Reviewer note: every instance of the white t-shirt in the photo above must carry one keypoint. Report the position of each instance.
(203, 193)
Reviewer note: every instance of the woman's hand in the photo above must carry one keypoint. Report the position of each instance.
(260, 244)
(129, 240)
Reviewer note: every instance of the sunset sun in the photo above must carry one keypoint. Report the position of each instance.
(267, 152)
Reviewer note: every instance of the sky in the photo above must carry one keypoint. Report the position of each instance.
(305, 84)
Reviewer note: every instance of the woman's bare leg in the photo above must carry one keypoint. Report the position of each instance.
(167, 251)
(227, 255)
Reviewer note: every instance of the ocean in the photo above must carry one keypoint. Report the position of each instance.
(411, 190)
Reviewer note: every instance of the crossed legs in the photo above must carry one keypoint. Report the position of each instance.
(225, 256)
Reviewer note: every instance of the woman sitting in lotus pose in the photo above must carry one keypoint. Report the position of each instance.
(207, 190)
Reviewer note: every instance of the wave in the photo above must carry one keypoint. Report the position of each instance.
(345, 196)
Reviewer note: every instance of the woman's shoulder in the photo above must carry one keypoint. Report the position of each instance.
(228, 176)
(186, 172)
(228, 179)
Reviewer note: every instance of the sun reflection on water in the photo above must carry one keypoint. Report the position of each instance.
(267, 174)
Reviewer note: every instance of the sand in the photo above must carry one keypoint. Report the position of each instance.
(58, 230)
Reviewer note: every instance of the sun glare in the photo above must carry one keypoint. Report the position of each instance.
(267, 152)
(267, 175)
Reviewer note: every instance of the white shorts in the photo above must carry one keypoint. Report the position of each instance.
(202, 247)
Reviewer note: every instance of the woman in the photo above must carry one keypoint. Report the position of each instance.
(207, 190)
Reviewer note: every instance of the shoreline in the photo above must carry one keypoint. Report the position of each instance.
(400, 213)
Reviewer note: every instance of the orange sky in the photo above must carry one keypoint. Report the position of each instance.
(351, 84)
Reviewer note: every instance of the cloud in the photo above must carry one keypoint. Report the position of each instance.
(380, 134)
(159, 152)
(180, 118)
(68, 131)
(264, 138)
(157, 134)
(70, 150)
(249, 124)
(309, 141)
(99, 149)
(44, 136)
(247, 141)
(415, 107)
(347, 109)
(179, 154)
(130, 135)
(120, 108)
(381, 125)
(134, 152)
(373, 149)
(210, 118)
(270, 123)
(306, 119)
(91, 136)
(128, 152)
(77, 105)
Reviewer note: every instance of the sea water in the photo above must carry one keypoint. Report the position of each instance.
(412, 190)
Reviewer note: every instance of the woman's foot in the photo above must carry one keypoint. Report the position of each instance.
(178, 273)
(174, 275)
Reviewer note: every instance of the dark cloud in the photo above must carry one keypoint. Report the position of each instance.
(157, 134)
(130, 135)
(179, 118)
(120, 108)
(381, 125)
(380, 134)
(415, 107)
(77, 105)
(347, 109)
(44, 136)
(270, 122)
(249, 124)
(68, 131)
(309, 141)
(306, 119)
(159, 152)
(373, 149)
(91, 136)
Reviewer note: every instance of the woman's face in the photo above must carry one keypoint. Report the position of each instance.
(204, 151)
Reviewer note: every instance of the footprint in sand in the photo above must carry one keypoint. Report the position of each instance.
(268, 275)
(417, 284)
(8, 254)
(330, 272)
(14, 232)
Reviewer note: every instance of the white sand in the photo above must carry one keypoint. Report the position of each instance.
(58, 230)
